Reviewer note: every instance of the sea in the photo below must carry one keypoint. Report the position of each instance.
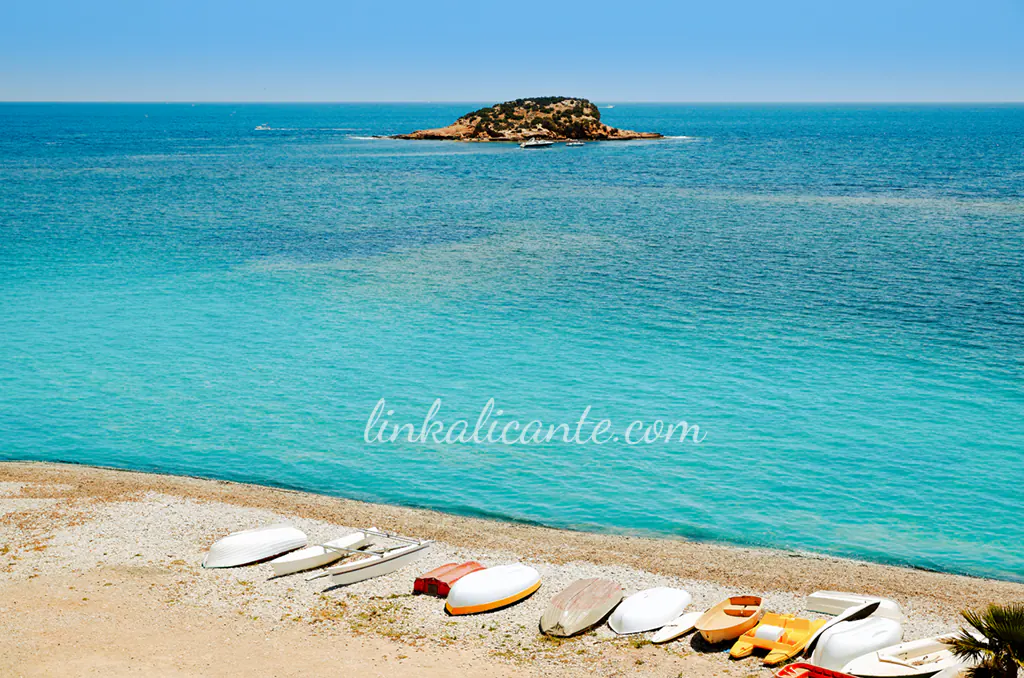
(833, 294)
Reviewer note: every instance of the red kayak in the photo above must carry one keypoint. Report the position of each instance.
(438, 582)
(804, 670)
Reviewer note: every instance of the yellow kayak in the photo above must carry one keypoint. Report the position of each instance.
(783, 635)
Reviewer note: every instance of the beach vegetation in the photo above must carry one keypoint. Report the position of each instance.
(994, 641)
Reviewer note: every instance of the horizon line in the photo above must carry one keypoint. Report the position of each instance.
(477, 101)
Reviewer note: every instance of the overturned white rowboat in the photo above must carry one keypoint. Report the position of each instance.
(584, 604)
(252, 546)
(925, 657)
(844, 642)
(852, 614)
(492, 588)
(319, 555)
(378, 564)
(837, 602)
(649, 610)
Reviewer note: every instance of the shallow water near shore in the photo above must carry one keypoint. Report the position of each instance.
(832, 293)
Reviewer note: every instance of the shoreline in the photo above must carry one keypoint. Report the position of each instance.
(86, 550)
(780, 554)
(246, 494)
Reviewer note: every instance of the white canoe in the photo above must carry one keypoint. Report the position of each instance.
(925, 657)
(837, 602)
(848, 640)
(649, 610)
(252, 546)
(492, 588)
(378, 564)
(319, 555)
(682, 625)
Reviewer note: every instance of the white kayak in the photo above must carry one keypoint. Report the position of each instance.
(252, 546)
(377, 564)
(492, 588)
(844, 642)
(837, 602)
(852, 614)
(682, 625)
(319, 555)
(925, 657)
(649, 610)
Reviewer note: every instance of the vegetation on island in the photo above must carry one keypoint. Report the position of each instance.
(995, 641)
(550, 117)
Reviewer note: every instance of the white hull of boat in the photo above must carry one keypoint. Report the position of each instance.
(252, 546)
(925, 657)
(682, 625)
(318, 556)
(492, 588)
(377, 565)
(837, 602)
(649, 610)
(848, 640)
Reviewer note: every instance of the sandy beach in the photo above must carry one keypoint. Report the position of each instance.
(100, 573)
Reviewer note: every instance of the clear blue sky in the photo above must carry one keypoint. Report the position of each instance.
(739, 50)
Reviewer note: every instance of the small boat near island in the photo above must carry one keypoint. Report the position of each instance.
(575, 142)
(536, 143)
(580, 606)
(253, 546)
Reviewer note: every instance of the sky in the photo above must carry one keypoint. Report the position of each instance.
(678, 51)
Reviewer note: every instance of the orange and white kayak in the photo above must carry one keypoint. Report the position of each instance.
(492, 589)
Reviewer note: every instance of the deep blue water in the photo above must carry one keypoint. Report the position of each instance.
(834, 294)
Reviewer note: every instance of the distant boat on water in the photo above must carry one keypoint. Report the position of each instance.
(536, 143)
(263, 128)
(574, 143)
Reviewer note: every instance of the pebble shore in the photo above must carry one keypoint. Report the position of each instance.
(61, 522)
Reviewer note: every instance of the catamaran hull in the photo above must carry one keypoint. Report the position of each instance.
(377, 566)
(317, 556)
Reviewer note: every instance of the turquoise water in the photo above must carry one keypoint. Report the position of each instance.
(833, 294)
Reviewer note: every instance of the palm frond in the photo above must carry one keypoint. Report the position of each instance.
(967, 645)
(996, 643)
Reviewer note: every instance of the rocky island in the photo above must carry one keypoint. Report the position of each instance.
(551, 118)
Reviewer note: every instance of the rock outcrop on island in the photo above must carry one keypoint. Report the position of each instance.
(552, 118)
